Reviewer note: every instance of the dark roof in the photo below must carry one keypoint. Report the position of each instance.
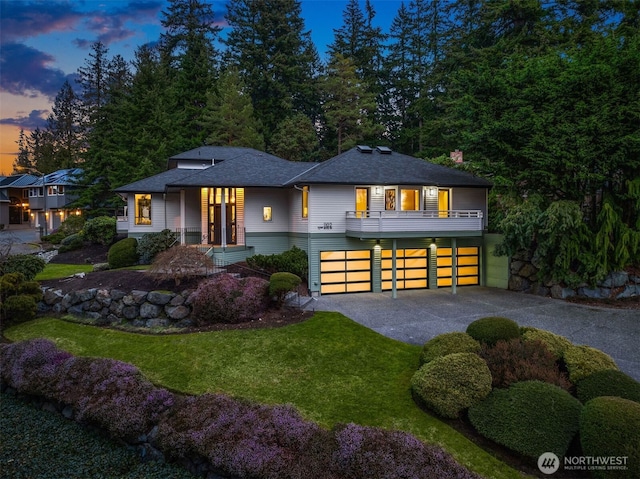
(242, 167)
(375, 167)
(62, 177)
(17, 181)
(157, 183)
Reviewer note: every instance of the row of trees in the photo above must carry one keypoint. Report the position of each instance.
(542, 97)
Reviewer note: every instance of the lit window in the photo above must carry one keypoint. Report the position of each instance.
(143, 209)
(305, 201)
(266, 213)
(61, 190)
(410, 199)
(362, 204)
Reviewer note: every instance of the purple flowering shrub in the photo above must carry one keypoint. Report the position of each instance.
(227, 299)
(367, 452)
(113, 394)
(245, 439)
(31, 367)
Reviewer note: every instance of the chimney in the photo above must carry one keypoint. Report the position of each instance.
(456, 156)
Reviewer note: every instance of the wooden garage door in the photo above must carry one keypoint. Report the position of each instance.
(412, 268)
(345, 271)
(468, 272)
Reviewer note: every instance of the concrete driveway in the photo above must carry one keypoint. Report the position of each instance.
(23, 239)
(416, 316)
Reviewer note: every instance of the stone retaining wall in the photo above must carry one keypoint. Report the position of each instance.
(110, 307)
(617, 285)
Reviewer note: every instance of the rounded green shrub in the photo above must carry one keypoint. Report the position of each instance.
(10, 284)
(123, 253)
(610, 427)
(100, 230)
(554, 342)
(609, 382)
(582, 361)
(531, 417)
(449, 384)
(491, 329)
(27, 264)
(448, 343)
(20, 308)
(151, 244)
(71, 243)
(281, 283)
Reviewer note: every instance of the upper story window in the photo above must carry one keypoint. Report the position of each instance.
(362, 200)
(143, 209)
(390, 199)
(34, 192)
(55, 190)
(305, 201)
(409, 199)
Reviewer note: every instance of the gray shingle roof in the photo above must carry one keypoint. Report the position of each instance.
(17, 181)
(391, 168)
(156, 183)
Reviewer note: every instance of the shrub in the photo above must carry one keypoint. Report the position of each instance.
(530, 417)
(72, 225)
(180, 262)
(71, 243)
(555, 343)
(18, 309)
(610, 426)
(10, 284)
(452, 383)
(227, 299)
(492, 329)
(100, 230)
(516, 360)
(27, 264)
(54, 238)
(282, 283)
(123, 253)
(448, 343)
(292, 261)
(582, 361)
(243, 439)
(609, 382)
(367, 452)
(150, 244)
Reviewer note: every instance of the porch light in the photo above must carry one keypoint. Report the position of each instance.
(432, 191)
(378, 190)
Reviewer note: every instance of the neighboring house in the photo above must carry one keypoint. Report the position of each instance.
(14, 199)
(50, 198)
(34, 201)
(369, 219)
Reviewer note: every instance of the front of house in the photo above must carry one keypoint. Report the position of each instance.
(369, 219)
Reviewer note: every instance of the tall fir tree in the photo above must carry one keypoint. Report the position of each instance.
(188, 53)
(64, 126)
(24, 161)
(229, 119)
(275, 57)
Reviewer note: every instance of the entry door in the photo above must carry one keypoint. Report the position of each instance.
(215, 216)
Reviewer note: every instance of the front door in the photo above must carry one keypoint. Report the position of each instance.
(218, 197)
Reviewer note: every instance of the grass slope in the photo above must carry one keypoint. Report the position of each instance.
(331, 368)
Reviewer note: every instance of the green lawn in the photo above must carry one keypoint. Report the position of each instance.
(331, 368)
(57, 271)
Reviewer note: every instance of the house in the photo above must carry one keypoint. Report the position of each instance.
(370, 219)
(27, 199)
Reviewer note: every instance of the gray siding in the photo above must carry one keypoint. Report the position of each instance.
(470, 199)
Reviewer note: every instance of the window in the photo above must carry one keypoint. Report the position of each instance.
(266, 213)
(389, 200)
(409, 199)
(305, 201)
(61, 190)
(143, 209)
(25, 193)
(443, 203)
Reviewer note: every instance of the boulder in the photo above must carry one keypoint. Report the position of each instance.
(149, 310)
(159, 297)
(177, 312)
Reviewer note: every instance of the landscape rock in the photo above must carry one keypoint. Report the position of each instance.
(159, 297)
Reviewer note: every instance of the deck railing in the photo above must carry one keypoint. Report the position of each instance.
(422, 220)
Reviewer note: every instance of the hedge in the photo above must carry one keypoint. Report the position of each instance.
(582, 361)
(610, 427)
(554, 342)
(448, 343)
(123, 253)
(531, 417)
(491, 329)
(609, 382)
(450, 384)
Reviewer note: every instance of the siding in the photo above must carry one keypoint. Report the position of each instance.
(470, 199)
(256, 199)
(157, 216)
(496, 267)
(328, 206)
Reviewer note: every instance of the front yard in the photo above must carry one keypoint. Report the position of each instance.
(330, 368)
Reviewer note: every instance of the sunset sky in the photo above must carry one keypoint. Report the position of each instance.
(42, 44)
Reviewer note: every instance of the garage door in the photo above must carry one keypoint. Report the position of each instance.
(412, 268)
(468, 266)
(345, 271)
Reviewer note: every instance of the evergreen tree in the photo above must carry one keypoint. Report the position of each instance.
(296, 139)
(229, 118)
(23, 162)
(42, 150)
(190, 60)
(349, 108)
(275, 58)
(64, 126)
(93, 79)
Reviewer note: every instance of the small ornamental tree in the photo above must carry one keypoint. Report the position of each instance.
(180, 262)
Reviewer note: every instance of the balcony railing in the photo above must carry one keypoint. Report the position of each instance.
(414, 221)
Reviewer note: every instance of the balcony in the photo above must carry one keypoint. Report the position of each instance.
(407, 224)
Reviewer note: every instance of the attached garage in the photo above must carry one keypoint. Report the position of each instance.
(468, 266)
(412, 268)
(345, 271)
